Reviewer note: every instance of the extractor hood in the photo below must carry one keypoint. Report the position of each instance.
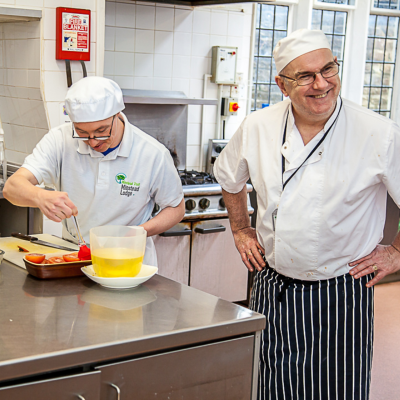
(195, 3)
(14, 14)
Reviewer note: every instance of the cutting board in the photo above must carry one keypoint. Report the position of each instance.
(13, 255)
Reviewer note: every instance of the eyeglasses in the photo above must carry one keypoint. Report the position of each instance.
(308, 79)
(94, 137)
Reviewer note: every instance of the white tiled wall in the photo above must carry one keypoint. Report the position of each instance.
(33, 83)
(21, 105)
(156, 46)
(53, 71)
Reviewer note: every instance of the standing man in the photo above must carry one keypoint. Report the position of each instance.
(322, 167)
(101, 165)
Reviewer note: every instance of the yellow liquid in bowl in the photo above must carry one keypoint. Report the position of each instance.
(117, 262)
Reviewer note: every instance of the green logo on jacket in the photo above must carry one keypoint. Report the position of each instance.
(127, 188)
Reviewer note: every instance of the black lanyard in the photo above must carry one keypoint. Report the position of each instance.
(313, 150)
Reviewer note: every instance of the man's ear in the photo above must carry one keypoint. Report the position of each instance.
(281, 83)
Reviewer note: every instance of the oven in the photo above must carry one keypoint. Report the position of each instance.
(200, 251)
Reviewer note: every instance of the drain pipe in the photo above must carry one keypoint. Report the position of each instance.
(206, 77)
(218, 119)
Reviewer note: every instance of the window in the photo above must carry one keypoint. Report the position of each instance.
(380, 63)
(333, 24)
(388, 4)
(342, 2)
(271, 26)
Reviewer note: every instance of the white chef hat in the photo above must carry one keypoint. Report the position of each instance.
(93, 99)
(296, 44)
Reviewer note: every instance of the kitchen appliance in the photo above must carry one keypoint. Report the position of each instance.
(200, 250)
(215, 146)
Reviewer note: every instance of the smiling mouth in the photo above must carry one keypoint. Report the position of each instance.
(320, 96)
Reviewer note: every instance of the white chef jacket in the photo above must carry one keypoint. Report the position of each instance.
(93, 181)
(333, 210)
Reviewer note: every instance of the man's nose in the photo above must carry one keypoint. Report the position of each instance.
(92, 142)
(320, 82)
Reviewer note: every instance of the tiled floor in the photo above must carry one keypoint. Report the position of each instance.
(386, 362)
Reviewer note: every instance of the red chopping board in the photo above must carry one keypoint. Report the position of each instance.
(13, 255)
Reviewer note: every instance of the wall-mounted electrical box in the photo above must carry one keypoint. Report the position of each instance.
(223, 66)
(72, 34)
(229, 106)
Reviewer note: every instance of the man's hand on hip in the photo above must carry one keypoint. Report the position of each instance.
(250, 250)
(384, 260)
(56, 205)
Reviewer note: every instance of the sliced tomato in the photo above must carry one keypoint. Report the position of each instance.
(22, 249)
(35, 257)
(56, 260)
(72, 257)
(45, 262)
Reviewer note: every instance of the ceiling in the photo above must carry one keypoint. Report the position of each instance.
(194, 3)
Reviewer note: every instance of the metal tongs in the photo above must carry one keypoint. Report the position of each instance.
(84, 251)
(81, 240)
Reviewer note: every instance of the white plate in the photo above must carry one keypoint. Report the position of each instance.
(146, 272)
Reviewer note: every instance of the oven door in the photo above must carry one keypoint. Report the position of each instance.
(216, 266)
(173, 252)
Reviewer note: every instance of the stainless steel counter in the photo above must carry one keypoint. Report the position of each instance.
(59, 324)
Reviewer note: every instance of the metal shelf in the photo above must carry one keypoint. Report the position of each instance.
(10, 14)
(132, 96)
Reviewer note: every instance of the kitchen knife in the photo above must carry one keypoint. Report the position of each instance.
(36, 240)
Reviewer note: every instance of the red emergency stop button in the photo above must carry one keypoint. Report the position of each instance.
(233, 107)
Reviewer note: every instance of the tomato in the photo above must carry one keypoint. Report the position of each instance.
(35, 257)
(45, 262)
(55, 260)
(22, 249)
(84, 253)
(72, 257)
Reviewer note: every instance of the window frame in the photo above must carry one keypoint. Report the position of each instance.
(383, 11)
(341, 62)
(287, 3)
(334, 7)
(393, 87)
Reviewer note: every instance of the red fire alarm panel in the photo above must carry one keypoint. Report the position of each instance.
(73, 34)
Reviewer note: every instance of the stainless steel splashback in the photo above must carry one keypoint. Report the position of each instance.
(164, 116)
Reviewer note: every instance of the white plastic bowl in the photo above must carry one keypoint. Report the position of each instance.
(144, 275)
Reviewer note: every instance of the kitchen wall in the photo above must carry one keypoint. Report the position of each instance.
(32, 83)
(164, 47)
(21, 104)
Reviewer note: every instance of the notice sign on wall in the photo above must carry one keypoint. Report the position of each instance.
(75, 31)
(73, 34)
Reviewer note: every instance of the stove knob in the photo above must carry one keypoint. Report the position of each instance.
(204, 204)
(190, 205)
(218, 149)
(222, 202)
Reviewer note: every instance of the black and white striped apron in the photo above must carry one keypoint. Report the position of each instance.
(317, 343)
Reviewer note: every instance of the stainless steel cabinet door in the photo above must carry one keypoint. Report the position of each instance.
(216, 266)
(220, 371)
(74, 387)
(173, 252)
